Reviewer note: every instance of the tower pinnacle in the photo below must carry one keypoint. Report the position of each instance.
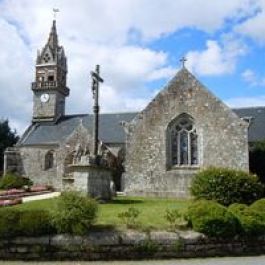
(53, 38)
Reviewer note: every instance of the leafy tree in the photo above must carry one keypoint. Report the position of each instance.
(7, 138)
(257, 159)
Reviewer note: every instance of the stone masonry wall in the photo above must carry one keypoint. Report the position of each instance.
(92, 180)
(34, 165)
(47, 109)
(222, 139)
(128, 245)
(52, 109)
(32, 159)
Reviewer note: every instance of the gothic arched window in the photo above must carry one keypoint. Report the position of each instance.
(49, 160)
(183, 141)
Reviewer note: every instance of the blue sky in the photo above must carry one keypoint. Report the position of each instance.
(138, 44)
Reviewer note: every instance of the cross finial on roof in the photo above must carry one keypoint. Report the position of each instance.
(183, 60)
(55, 11)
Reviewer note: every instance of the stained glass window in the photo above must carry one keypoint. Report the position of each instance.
(183, 141)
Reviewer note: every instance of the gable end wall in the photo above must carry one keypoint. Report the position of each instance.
(222, 139)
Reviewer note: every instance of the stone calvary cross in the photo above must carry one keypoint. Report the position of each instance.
(96, 79)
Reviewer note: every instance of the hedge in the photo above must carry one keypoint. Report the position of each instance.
(14, 222)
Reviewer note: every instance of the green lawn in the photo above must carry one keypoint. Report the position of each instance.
(48, 204)
(152, 210)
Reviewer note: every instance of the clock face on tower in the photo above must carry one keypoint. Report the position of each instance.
(44, 98)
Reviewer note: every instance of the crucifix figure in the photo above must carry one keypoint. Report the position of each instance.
(183, 60)
(96, 79)
(55, 10)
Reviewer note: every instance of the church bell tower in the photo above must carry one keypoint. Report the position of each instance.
(49, 88)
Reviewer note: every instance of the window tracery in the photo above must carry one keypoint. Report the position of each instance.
(183, 142)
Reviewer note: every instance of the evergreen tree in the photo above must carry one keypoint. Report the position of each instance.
(7, 138)
(257, 159)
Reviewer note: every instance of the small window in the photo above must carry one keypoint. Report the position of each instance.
(49, 160)
(50, 78)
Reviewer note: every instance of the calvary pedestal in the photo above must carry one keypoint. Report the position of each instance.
(92, 178)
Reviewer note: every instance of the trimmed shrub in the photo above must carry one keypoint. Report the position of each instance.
(251, 221)
(9, 218)
(35, 223)
(75, 213)
(259, 206)
(129, 217)
(10, 181)
(212, 219)
(226, 186)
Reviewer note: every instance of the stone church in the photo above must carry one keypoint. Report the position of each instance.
(154, 152)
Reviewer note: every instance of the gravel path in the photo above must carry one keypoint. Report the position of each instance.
(41, 197)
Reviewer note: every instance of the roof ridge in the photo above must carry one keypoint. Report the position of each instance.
(126, 112)
(76, 115)
(250, 107)
(104, 113)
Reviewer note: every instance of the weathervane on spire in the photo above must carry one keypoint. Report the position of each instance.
(55, 11)
(183, 60)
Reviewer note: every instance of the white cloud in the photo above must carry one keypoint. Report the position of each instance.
(252, 78)
(254, 26)
(249, 76)
(112, 20)
(15, 76)
(113, 101)
(125, 71)
(239, 102)
(101, 31)
(216, 59)
(166, 72)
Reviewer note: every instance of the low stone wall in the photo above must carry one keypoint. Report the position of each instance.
(112, 245)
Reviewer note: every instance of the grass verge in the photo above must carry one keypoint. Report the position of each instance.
(152, 211)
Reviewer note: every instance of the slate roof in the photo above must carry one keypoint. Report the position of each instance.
(257, 124)
(110, 130)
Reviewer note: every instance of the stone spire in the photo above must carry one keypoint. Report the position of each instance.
(53, 38)
(52, 52)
